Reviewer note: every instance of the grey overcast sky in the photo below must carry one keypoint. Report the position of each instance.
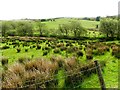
(18, 9)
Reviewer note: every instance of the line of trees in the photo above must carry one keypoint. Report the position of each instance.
(72, 27)
(27, 28)
(20, 28)
(110, 27)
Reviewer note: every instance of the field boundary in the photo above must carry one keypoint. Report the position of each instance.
(79, 78)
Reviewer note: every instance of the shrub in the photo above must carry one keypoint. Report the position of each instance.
(18, 50)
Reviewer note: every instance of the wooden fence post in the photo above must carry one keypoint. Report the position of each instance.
(102, 83)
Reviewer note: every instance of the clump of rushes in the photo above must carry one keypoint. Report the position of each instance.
(89, 51)
(33, 46)
(116, 51)
(45, 53)
(75, 48)
(4, 61)
(47, 48)
(79, 53)
(59, 60)
(70, 63)
(60, 45)
(26, 49)
(5, 47)
(17, 68)
(38, 47)
(41, 70)
(14, 76)
(52, 46)
(18, 50)
(23, 59)
(89, 56)
(101, 50)
(70, 50)
(63, 48)
(31, 65)
(56, 50)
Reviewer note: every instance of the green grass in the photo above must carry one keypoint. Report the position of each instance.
(61, 81)
(110, 73)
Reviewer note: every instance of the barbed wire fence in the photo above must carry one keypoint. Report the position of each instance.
(70, 79)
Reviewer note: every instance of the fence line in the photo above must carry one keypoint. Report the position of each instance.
(62, 77)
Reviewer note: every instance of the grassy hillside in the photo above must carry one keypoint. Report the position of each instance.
(85, 23)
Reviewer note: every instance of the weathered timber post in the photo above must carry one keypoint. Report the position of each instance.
(102, 83)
